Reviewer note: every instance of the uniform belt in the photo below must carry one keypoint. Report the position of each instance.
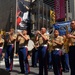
(10, 44)
(26, 46)
(44, 45)
(57, 49)
(23, 46)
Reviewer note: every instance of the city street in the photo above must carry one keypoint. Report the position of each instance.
(43, 29)
(16, 69)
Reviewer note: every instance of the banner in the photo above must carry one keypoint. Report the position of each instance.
(59, 9)
(61, 27)
(22, 14)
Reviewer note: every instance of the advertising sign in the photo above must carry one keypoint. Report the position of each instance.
(59, 9)
(22, 14)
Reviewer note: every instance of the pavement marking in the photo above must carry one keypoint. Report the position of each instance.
(15, 62)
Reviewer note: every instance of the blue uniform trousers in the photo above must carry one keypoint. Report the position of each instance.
(23, 60)
(66, 58)
(49, 60)
(42, 53)
(9, 53)
(65, 62)
(1, 53)
(56, 60)
(34, 57)
(72, 59)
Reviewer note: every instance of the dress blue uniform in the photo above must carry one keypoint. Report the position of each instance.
(1, 46)
(43, 54)
(56, 54)
(72, 54)
(10, 52)
(65, 56)
(23, 53)
(34, 57)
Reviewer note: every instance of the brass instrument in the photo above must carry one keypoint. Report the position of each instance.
(5, 35)
(66, 44)
(51, 41)
(67, 40)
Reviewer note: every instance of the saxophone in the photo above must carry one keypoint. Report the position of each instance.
(67, 41)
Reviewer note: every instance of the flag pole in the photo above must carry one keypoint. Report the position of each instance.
(16, 16)
(67, 10)
(16, 4)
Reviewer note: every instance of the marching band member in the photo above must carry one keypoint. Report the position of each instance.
(23, 39)
(1, 46)
(35, 52)
(57, 52)
(71, 38)
(65, 56)
(42, 38)
(10, 38)
(50, 48)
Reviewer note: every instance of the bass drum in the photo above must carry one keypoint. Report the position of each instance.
(30, 45)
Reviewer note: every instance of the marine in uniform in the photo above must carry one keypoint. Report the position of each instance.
(50, 48)
(35, 52)
(71, 38)
(10, 38)
(1, 46)
(57, 42)
(23, 39)
(65, 56)
(42, 38)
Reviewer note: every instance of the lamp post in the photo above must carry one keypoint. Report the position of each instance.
(67, 15)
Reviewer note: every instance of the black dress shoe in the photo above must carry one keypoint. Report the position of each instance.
(26, 73)
(35, 66)
(66, 71)
(63, 70)
(10, 70)
(32, 65)
(22, 72)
